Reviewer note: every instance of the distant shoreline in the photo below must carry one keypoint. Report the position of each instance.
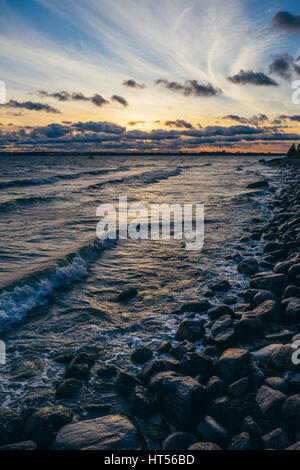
(151, 154)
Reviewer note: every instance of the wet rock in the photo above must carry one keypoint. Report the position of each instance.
(216, 388)
(143, 404)
(190, 330)
(25, 369)
(275, 440)
(98, 408)
(68, 388)
(283, 267)
(229, 300)
(141, 355)
(222, 331)
(233, 364)
(83, 358)
(63, 358)
(251, 427)
(155, 367)
(10, 427)
(195, 364)
(292, 311)
(240, 387)
(179, 441)
(269, 311)
(257, 375)
(221, 286)
(291, 411)
(195, 307)
(281, 359)
(275, 283)
(20, 446)
(240, 442)
(126, 382)
(270, 402)
(41, 426)
(77, 371)
(277, 383)
(112, 432)
(248, 267)
(291, 291)
(249, 324)
(293, 383)
(127, 294)
(258, 185)
(217, 312)
(273, 247)
(294, 271)
(107, 370)
(181, 399)
(263, 354)
(164, 347)
(182, 348)
(212, 431)
(232, 412)
(204, 446)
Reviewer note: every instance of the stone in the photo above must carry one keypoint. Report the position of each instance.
(111, 432)
(233, 364)
(179, 441)
(275, 283)
(215, 388)
(291, 411)
(143, 404)
(77, 371)
(63, 358)
(24, 370)
(281, 359)
(216, 312)
(204, 446)
(294, 271)
(240, 442)
(195, 307)
(10, 427)
(270, 402)
(20, 446)
(42, 425)
(182, 348)
(263, 354)
(190, 330)
(126, 382)
(68, 388)
(141, 355)
(273, 247)
(249, 324)
(107, 370)
(248, 266)
(258, 185)
(195, 364)
(240, 387)
(295, 446)
(269, 310)
(275, 440)
(155, 367)
(291, 291)
(292, 311)
(164, 347)
(83, 358)
(97, 407)
(221, 286)
(293, 383)
(212, 431)
(127, 294)
(283, 267)
(222, 331)
(251, 427)
(277, 383)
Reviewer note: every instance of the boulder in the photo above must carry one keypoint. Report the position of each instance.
(283, 267)
(68, 388)
(182, 348)
(195, 364)
(143, 404)
(240, 442)
(179, 441)
(112, 432)
(10, 427)
(155, 367)
(274, 246)
(270, 402)
(164, 347)
(24, 369)
(270, 311)
(240, 387)
(127, 294)
(291, 291)
(233, 364)
(220, 286)
(212, 431)
(263, 354)
(292, 312)
(216, 312)
(141, 355)
(107, 370)
(294, 271)
(77, 371)
(258, 185)
(281, 359)
(278, 383)
(275, 283)
(216, 388)
(126, 382)
(291, 411)
(295, 446)
(190, 330)
(20, 446)
(275, 440)
(195, 307)
(222, 331)
(248, 266)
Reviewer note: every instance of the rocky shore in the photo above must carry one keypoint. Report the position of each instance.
(239, 391)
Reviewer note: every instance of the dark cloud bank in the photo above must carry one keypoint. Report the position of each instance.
(190, 88)
(31, 106)
(248, 77)
(286, 21)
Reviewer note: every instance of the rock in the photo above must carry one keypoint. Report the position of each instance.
(127, 294)
(222, 331)
(229, 300)
(269, 311)
(291, 411)
(216, 388)
(63, 358)
(164, 347)
(204, 446)
(83, 358)
(212, 431)
(77, 371)
(195, 307)
(277, 383)
(270, 402)
(10, 427)
(20, 446)
(97, 407)
(195, 364)
(273, 247)
(143, 404)
(157, 432)
(292, 312)
(258, 185)
(294, 271)
(291, 291)
(182, 348)
(275, 440)
(126, 382)
(275, 283)
(249, 324)
(295, 446)
(231, 413)
(293, 383)
(181, 399)
(112, 432)
(216, 312)
(251, 427)
(24, 369)
(281, 359)
(68, 388)
(107, 370)
(283, 267)
(233, 364)
(155, 367)
(190, 330)
(141, 355)
(257, 375)
(179, 441)
(240, 442)
(41, 426)
(221, 286)
(262, 355)
(240, 387)
(248, 267)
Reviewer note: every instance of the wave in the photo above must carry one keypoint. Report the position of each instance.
(55, 178)
(33, 291)
(23, 202)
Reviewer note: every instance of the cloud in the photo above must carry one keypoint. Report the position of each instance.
(96, 99)
(254, 120)
(249, 77)
(120, 100)
(100, 126)
(294, 118)
(134, 123)
(180, 123)
(30, 106)
(287, 21)
(133, 84)
(190, 88)
(282, 66)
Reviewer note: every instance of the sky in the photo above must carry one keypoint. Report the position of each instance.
(148, 75)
